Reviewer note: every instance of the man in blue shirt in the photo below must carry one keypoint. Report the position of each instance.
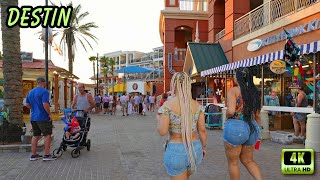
(38, 101)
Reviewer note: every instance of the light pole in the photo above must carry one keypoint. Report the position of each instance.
(97, 74)
(46, 54)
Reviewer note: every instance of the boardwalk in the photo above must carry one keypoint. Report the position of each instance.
(130, 148)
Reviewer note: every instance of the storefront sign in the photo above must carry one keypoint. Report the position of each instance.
(310, 26)
(134, 86)
(254, 45)
(278, 66)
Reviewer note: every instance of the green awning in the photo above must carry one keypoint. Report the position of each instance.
(203, 56)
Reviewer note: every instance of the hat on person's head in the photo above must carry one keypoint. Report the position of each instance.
(40, 80)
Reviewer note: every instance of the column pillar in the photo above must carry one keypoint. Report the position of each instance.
(72, 91)
(127, 59)
(313, 133)
(119, 61)
(265, 133)
(56, 93)
(65, 93)
(224, 116)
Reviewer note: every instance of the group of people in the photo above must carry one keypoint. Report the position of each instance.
(133, 103)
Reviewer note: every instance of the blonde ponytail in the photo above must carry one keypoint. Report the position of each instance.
(181, 88)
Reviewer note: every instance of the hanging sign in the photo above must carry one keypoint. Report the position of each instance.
(278, 67)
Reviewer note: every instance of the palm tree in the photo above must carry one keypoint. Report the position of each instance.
(93, 59)
(12, 69)
(76, 32)
(108, 62)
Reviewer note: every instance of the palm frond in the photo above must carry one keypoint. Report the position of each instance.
(83, 44)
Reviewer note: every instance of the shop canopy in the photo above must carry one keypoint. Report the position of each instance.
(118, 88)
(135, 69)
(201, 56)
(123, 88)
(312, 47)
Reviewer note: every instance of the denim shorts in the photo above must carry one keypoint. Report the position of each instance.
(237, 132)
(300, 116)
(176, 159)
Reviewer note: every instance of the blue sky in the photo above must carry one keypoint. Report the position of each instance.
(123, 25)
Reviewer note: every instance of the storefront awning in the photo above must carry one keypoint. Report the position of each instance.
(118, 88)
(201, 56)
(312, 47)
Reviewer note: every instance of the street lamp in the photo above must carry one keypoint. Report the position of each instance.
(106, 68)
(97, 74)
(46, 55)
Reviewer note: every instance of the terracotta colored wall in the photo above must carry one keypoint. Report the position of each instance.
(301, 39)
(159, 88)
(170, 43)
(222, 14)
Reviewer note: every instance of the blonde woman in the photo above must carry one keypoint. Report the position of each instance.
(183, 118)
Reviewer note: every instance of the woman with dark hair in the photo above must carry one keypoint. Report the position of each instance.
(241, 130)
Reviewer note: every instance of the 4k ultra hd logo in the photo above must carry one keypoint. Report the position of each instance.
(297, 161)
(46, 16)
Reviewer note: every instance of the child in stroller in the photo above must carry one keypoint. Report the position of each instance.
(78, 128)
(73, 129)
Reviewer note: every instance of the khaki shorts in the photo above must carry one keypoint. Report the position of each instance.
(124, 105)
(41, 127)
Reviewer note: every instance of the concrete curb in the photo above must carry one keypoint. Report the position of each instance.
(23, 147)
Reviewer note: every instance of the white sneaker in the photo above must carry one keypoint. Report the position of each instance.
(302, 137)
(295, 137)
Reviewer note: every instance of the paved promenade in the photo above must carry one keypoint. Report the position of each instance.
(130, 148)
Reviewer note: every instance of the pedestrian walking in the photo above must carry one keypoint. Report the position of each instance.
(114, 105)
(106, 101)
(40, 118)
(242, 128)
(152, 102)
(299, 119)
(124, 104)
(163, 99)
(183, 117)
(97, 100)
(130, 104)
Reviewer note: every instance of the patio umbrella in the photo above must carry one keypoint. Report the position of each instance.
(134, 69)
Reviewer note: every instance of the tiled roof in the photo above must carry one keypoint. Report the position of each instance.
(36, 64)
(40, 63)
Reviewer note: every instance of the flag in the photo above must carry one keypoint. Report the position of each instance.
(291, 50)
(57, 48)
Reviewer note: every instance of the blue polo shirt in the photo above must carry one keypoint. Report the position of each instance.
(36, 97)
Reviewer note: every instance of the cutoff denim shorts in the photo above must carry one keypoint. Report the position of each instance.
(176, 160)
(237, 132)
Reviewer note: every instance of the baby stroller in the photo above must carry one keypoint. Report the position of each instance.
(81, 141)
(213, 116)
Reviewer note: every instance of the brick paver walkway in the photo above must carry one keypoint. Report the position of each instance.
(130, 148)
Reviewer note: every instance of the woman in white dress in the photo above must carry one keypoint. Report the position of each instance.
(130, 105)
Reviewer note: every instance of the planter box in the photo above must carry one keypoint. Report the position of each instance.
(281, 137)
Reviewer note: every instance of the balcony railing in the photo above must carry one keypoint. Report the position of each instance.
(180, 54)
(268, 13)
(220, 34)
(193, 5)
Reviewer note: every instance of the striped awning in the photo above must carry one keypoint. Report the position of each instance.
(265, 58)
